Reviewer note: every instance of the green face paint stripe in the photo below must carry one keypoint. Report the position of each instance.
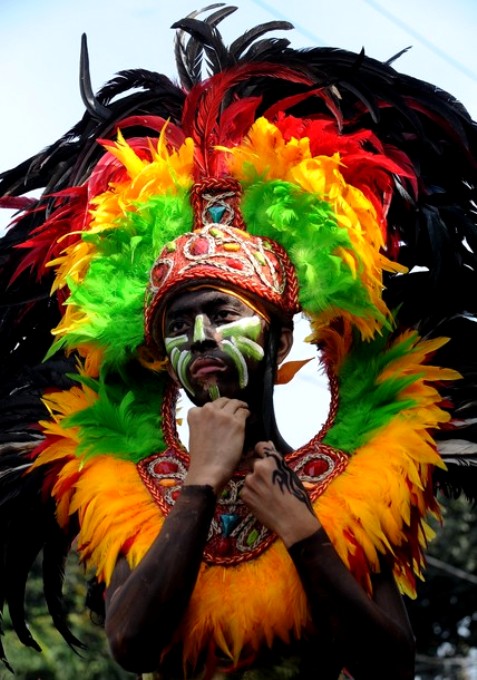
(249, 327)
(199, 332)
(177, 359)
(182, 365)
(174, 357)
(236, 355)
(171, 343)
(250, 349)
(214, 392)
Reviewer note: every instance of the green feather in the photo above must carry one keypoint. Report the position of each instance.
(307, 228)
(125, 420)
(367, 405)
(112, 292)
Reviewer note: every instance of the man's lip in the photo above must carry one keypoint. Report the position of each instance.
(204, 366)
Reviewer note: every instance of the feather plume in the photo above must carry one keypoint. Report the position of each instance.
(189, 54)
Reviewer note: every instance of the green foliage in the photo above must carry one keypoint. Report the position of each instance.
(444, 616)
(58, 661)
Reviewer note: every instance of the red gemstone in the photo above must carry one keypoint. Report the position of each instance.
(200, 246)
(165, 467)
(158, 274)
(223, 546)
(235, 264)
(315, 468)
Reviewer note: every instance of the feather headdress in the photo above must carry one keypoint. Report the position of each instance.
(365, 177)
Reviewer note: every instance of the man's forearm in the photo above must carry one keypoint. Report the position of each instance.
(375, 639)
(145, 606)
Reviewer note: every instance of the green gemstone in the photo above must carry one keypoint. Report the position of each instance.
(252, 537)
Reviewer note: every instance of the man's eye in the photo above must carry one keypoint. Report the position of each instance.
(224, 315)
(176, 327)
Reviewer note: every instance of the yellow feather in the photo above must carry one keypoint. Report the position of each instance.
(247, 605)
(125, 154)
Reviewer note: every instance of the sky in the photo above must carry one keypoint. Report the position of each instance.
(39, 58)
(40, 42)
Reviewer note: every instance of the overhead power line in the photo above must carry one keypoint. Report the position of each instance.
(317, 40)
(422, 39)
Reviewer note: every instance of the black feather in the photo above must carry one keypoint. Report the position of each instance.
(55, 551)
(238, 46)
(95, 108)
(189, 53)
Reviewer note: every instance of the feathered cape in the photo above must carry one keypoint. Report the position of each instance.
(373, 505)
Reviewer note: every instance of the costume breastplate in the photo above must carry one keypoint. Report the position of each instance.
(235, 535)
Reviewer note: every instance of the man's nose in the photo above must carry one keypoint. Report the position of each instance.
(204, 331)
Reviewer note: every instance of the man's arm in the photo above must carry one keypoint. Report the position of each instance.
(145, 606)
(373, 637)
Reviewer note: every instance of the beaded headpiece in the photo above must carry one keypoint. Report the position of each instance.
(220, 252)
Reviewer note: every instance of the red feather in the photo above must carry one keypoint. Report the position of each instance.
(45, 244)
(203, 116)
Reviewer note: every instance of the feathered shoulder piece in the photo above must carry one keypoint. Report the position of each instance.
(366, 178)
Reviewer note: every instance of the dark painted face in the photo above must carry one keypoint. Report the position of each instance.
(215, 343)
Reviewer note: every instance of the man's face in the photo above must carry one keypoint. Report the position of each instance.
(215, 343)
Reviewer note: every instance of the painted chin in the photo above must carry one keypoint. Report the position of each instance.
(205, 375)
(207, 381)
(208, 385)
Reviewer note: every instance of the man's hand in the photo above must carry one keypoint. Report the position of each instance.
(277, 498)
(217, 433)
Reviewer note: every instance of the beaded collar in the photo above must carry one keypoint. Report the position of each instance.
(235, 535)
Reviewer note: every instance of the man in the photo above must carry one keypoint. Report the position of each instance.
(221, 335)
(227, 432)
(180, 230)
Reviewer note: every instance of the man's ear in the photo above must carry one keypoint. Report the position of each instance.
(285, 344)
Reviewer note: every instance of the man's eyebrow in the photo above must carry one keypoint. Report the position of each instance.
(173, 314)
(225, 300)
(188, 307)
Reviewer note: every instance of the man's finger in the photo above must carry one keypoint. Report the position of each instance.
(235, 405)
(265, 450)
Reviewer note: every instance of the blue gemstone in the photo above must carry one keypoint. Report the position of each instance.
(229, 522)
(216, 212)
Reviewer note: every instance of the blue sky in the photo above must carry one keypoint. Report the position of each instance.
(39, 48)
(39, 56)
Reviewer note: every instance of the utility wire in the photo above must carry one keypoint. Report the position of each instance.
(422, 39)
(316, 40)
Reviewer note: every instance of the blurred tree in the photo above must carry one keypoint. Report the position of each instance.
(57, 660)
(444, 615)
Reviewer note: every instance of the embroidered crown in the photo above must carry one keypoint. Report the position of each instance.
(219, 251)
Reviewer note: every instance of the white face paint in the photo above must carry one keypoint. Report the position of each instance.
(238, 340)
